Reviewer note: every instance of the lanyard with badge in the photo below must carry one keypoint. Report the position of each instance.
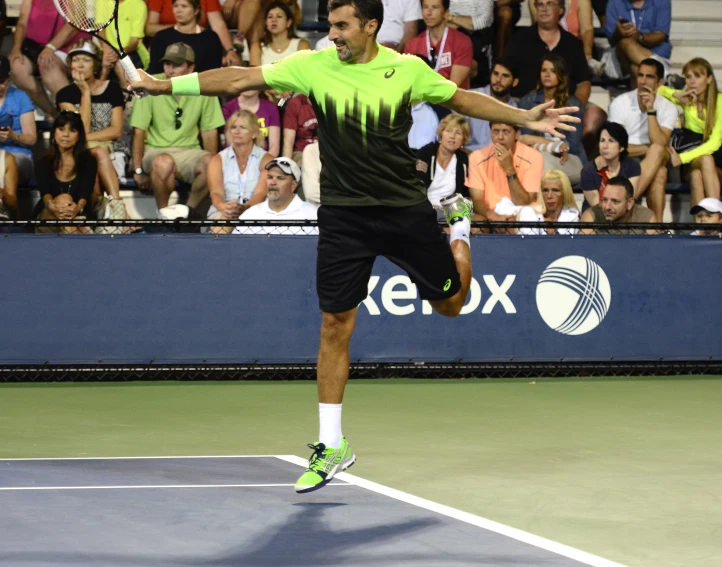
(642, 12)
(436, 58)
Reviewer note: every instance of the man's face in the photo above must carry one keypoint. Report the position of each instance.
(647, 78)
(548, 12)
(504, 135)
(176, 70)
(615, 203)
(281, 186)
(705, 217)
(433, 12)
(502, 81)
(346, 32)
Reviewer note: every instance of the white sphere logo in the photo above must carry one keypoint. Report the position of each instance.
(573, 295)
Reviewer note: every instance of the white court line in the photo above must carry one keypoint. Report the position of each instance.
(132, 486)
(519, 535)
(151, 457)
(531, 539)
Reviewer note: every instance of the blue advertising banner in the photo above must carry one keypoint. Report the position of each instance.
(201, 299)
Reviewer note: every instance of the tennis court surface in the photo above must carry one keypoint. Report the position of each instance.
(239, 511)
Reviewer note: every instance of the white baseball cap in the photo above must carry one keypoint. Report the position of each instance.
(287, 166)
(86, 49)
(709, 204)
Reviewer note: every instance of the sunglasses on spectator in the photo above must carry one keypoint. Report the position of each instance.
(69, 112)
(433, 56)
(178, 115)
(545, 5)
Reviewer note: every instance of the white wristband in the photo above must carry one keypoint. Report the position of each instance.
(51, 47)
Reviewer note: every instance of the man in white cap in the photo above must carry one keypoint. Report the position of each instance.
(707, 211)
(282, 203)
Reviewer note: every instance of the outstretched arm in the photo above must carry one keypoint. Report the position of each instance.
(542, 118)
(228, 81)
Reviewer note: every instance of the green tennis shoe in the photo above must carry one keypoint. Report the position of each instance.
(324, 464)
(456, 207)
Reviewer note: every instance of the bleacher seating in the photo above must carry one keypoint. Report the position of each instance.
(696, 32)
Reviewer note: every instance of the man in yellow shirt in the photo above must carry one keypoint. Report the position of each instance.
(505, 168)
(131, 15)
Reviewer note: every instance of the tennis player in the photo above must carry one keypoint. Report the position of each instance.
(372, 201)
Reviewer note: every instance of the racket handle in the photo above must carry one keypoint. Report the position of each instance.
(129, 68)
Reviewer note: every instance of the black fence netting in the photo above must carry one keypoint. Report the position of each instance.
(287, 372)
(310, 228)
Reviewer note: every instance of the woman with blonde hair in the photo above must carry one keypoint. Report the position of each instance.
(698, 143)
(557, 204)
(443, 165)
(237, 174)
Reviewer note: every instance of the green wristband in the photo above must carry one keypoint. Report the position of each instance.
(186, 85)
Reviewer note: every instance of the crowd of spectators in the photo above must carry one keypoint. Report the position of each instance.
(258, 153)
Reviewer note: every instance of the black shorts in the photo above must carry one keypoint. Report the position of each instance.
(350, 238)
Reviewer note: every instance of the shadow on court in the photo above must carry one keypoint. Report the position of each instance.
(226, 512)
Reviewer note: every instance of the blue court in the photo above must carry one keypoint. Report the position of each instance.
(239, 511)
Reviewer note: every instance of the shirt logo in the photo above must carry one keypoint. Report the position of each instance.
(389, 74)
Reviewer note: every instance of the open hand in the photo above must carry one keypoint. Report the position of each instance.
(549, 120)
(674, 158)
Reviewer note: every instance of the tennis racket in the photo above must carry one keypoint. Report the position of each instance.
(93, 16)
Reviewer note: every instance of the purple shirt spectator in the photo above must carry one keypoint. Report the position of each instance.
(267, 114)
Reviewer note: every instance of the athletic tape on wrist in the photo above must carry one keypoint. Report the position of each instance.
(186, 85)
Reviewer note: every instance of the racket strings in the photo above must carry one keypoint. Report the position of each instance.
(87, 15)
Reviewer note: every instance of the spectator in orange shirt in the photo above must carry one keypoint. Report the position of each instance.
(504, 174)
(160, 17)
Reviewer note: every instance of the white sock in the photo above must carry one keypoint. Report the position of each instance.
(460, 231)
(329, 417)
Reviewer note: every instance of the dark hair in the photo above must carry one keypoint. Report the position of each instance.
(561, 95)
(508, 64)
(446, 4)
(196, 6)
(512, 126)
(620, 181)
(619, 134)
(364, 10)
(658, 67)
(290, 32)
(80, 150)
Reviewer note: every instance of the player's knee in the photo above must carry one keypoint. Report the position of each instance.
(450, 307)
(337, 327)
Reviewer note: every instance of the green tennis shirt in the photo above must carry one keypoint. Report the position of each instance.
(364, 117)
